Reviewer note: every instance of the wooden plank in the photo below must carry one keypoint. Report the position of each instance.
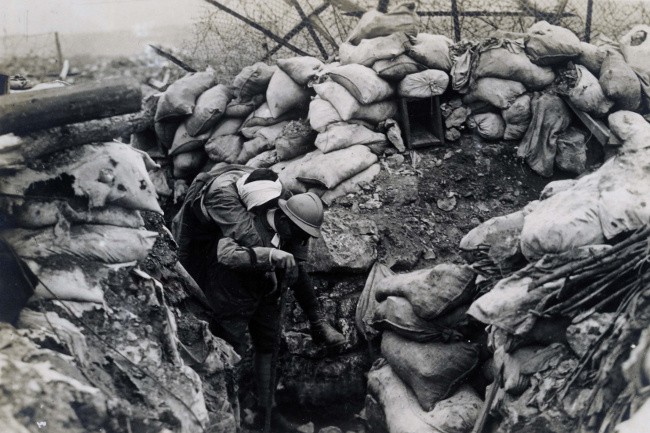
(41, 109)
(597, 127)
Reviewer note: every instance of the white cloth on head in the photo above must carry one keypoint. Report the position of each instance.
(258, 192)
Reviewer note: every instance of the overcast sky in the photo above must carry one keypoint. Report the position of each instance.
(28, 17)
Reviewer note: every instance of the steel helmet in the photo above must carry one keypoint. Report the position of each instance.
(306, 211)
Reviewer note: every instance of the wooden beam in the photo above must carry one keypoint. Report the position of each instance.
(40, 109)
(310, 28)
(294, 31)
(597, 127)
(172, 58)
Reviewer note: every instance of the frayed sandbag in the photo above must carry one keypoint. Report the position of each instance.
(488, 125)
(288, 171)
(332, 168)
(493, 231)
(432, 292)
(502, 63)
(547, 44)
(425, 84)
(349, 108)
(550, 117)
(104, 243)
(432, 51)
(252, 80)
(587, 95)
(188, 164)
(362, 82)
(631, 128)
(431, 370)
(210, 106)
(184, 142)
(403, 414)
(343, 135)
(227, 127)
(224, 148)
(373, 24)
(571, 153)
(296, 139)
(165, 132)
(396, 314)
(284, 94)
(352, 185)
(635, 46)
(620, 83)
(397, 68)
(262, 117)
(252, 148)
(591, 57)
(264, 159)
(250, 132)
(496, 91)
(239, 108)
(38, 213)
(517, 118)
(180, 97)
(367, 304)
(371, 50)
(321, 114)
(301, 69)
(272, 132)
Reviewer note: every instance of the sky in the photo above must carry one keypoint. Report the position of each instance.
(29, 17)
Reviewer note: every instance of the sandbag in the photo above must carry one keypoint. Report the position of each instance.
(296, 139)
(224, 148)
(252, 148)
(331, 169)
(349, 108)
(264, 159)
(362, 82)
(425, 84)
(104, 243)
(432, 51)
(180, 97)
(502, 63)
(397, 68)
(344, 135)
(587, 95)
(432, 292)
(367, 304)
(166, 131)
(370, 50)
(272, 132)
(227, 126)
(373, 24)
(556, 186)
(403, 414)
(620, 83)
(288, 171)
(635, 46)
(284, 94)
(591, 57)
(488, 125)
(493, 231)
(301, 69)
(517, 118)
(631, 128)
(37, 213)
(352, 185)
(252, 80)
(550, 117)
(496, 91)
(188, 164)
(250, 131)
(239, 108)
(431, 370)
(321, 114)
(210, 106)
(184, 142)
(262, 117)
(547, 44)
(571, 153)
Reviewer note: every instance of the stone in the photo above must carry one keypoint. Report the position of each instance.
(348, 243)
(447, 203)
(452, 134)
(402, 190)
(395, 161)
(330, 429)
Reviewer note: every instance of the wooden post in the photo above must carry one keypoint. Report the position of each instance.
(590, 9)
(41, 109)
(310, 29)
(454, 14)
(4, 84)
(59, 52)
(294, 31)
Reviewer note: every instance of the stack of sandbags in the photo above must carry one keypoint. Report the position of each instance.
(77, 216)
(421, 316)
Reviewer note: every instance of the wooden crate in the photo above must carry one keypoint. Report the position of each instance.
(421, 122)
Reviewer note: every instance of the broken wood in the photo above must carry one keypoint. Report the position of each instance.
(32, 111)
(172, 58)
(597, 127)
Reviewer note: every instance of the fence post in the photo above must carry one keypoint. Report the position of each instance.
(382, 6)
(59, 52)
(590, 9)
(454, 14)
(4, 84)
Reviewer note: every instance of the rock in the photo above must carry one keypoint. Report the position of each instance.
(348, 243)
(395, 161)
(457, 117)
(452, 134)
(307, 428)
(571, 153)
(330, 429)
(402, 190)
(583, 334)
(447, 203)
